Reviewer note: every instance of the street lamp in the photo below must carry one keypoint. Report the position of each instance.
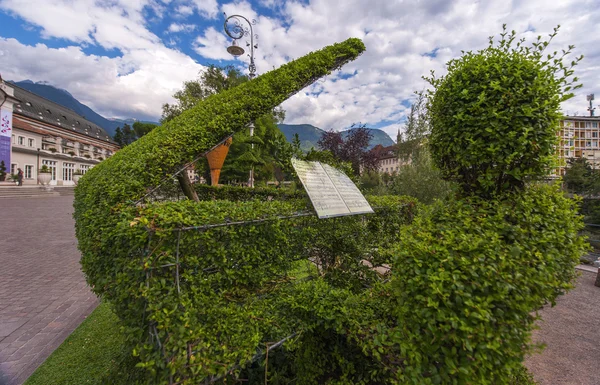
(237, 30)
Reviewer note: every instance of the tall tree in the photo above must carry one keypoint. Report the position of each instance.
(580, 178)
(353, 148)
(127, 135)
(118, 137)
(416, 129)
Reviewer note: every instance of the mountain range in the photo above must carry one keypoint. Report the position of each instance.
(309, 135)
(65, 99)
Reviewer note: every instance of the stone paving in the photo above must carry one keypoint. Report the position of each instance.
(571, 332)
(43, 294)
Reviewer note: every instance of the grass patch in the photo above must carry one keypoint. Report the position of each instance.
(90, 355)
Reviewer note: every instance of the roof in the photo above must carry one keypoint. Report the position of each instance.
(581, 118)
(385, 152)
(41, 109)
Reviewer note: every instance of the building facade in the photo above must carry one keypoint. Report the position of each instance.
(45, 133)
(388, 161)
(579, 137)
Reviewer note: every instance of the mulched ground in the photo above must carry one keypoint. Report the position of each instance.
(571, 332)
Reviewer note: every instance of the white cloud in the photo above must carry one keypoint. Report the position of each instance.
(184, 10)
(136, 84)
(397, 34)
(174, 27)
(207, 8)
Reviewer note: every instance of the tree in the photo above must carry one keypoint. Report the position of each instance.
(140, 129)
(416, 129)
(420, 179)
(212, 81)
(128, 134)
(118, 137)
(580, 178)
(352, 149)
(2, 171)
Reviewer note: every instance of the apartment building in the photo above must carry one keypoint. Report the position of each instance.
(579, 137)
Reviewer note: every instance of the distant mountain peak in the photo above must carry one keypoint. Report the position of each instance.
(65, 99)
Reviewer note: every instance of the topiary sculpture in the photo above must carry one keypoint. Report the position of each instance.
(189, 301)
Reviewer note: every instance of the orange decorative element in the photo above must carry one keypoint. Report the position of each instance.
(216, 158)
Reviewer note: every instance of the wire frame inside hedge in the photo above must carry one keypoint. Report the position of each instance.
(169, 188)
(176, 255)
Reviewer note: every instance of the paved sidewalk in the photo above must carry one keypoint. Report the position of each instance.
(43, 294)
(571, 331)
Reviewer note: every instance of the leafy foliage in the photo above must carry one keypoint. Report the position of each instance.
(353, 148)
(421, 179)
(128, 135)
(494, 116)
(124, 245)
(273, 152)
(580, 178)
(235, 194)
(470, 272)
(416, 129)
(2, 170)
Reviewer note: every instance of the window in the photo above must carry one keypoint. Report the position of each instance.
(21, 140)
(31, 142)
(588, 143)
(594, 134)
(594, 124)
(52, 166)
(68, 169)
(13, 168)
(83, 168)
(594, 143)
(29, 171)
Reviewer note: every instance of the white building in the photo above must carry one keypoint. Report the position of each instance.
(45, 133)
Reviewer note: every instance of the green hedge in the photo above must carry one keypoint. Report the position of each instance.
(211, 297)
(103, 194)
(469, 275)
(235, 193)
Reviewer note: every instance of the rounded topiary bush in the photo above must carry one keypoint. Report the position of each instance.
(494, 116)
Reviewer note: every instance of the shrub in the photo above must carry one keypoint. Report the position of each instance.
(212, 294)
(234, 193)
(468, 275)
(494, 116)
(421, 179)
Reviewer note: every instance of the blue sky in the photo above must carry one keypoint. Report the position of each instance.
(125, 58)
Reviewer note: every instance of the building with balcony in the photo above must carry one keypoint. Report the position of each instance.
(579, 137)
(46, 133)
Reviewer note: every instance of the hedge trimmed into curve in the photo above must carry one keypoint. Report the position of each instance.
(128, 174)
(170, 313)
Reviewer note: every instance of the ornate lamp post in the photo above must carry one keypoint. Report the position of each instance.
(236, 29)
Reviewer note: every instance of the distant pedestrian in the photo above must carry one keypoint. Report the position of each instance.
(20, 177)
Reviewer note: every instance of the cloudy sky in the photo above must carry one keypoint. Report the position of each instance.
(125, 58)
